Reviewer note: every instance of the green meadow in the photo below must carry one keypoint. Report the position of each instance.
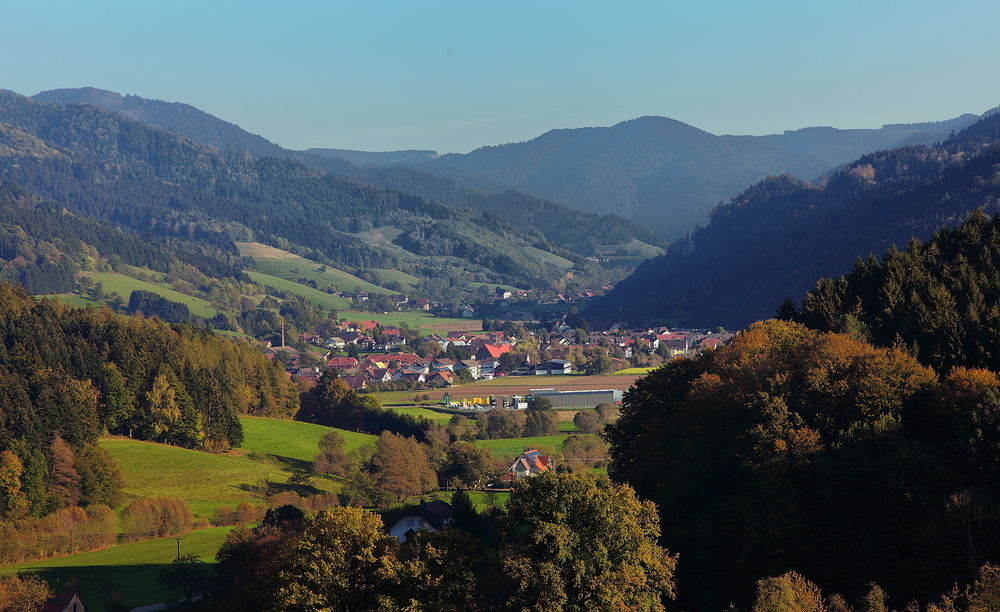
(416, 319)
(441, 418)
(315, 296)
(292, 441)
(547, 257)
(132, 568)
(203, 480)
(124, 285)
(512, 447)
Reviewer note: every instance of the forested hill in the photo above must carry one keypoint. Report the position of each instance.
(183, 119)
(776, 238)
(665, 174)
(563, 224)
(106, 166)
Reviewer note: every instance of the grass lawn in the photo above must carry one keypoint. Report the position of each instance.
(203, 480)
(441, 418)
(415, 319)
(568, 426)
(124, 285)
(404, 279)
(132, 567)
(479, 498)
(547, 257)
(513, 447)
(315, 296)
(291, 442)
(633, 372)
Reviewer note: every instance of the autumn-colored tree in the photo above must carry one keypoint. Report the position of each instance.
(400, 467)
(788, 592)
(787, 445)
(344, 562)
(13, 501)
(588, 421)
(577, 542)
(23, 592)
(65, 481)
(332, 459)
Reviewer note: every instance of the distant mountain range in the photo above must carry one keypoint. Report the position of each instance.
(665, 174)
(780, 236)
(579, 230)
(657, 172)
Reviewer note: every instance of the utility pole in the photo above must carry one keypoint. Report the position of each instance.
(179, 547)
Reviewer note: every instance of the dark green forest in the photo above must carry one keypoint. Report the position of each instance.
(779, 236)
(75, 374)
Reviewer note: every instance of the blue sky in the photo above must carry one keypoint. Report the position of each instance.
(454, 76)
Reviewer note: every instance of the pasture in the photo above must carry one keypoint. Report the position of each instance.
(132, 568)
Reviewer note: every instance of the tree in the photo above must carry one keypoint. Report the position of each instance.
(13, 501)
(187, 574)
(577, 542)
(541, 419)
(400, 467)
(788, 592)
(344, 562)
(65, 481)
(100, 478)
(467, 462)
(332, 459)
(588, 421)
(23, 592)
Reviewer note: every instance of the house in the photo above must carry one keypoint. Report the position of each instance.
(422, 304)
(487, 369)
(443, 378)
(64, 602)
(444, 364)
(530, 462)
(342, 363)
(492, 351)
(554, 366)
(432, 516)
(468, 312)
(468, 364)
(356, 382)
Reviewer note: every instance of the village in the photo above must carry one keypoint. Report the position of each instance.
(373, 357)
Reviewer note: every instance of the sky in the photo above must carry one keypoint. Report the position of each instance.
(454, 76)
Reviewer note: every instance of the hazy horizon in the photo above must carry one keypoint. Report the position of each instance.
(453, 77)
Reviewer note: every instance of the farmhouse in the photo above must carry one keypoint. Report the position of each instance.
(432, 516)
(530, 462)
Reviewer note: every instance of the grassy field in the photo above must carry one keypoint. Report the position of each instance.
(408, 281)
(416, 319)
(633, 372)
(441, 418)
(481, 498)
(315, 296)
(282, 264)
(292, 442)
(124, 285)
(203, 480)
(515, 446)
(132, 567)
(547, 257)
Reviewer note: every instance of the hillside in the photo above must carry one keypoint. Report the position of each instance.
(665, 174)
(776, 238)
(554, 222)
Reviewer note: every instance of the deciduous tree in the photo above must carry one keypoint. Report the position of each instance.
(577, 542)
